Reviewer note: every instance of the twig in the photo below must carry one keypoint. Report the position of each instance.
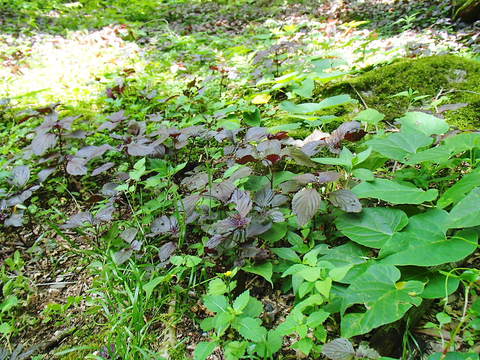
(360, 96)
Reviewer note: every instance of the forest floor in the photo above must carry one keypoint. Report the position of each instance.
(68, 292)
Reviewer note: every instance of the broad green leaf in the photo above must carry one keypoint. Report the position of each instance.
(394, 192)
(241, 301)
(425, 123)
(275, 233)
(467, 212)
(324, 287)
(373, 226)
(385, 299)
(204, 349)
(215, 303)
(250, 328)
(317, 318)
(286, 254)
(345, 159)
(309, 273)
(458, 190)
(305, 89)
(261, 99)
(453, 356)
(308, 108)
(369, 116)
(398, 145)
(462, 142)
(265, 270)
(424, 243)
(363, 174)
(285, 127)
(221, 322)
(439, 286)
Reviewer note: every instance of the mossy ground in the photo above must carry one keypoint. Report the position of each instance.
(457, 78)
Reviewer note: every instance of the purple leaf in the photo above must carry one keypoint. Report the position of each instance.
(327, 176)
(256, 228)
(350, 131)
(246, 155)
(256, 134)
(289, 186)
(105, 214)
(305, 179)
(196, 181)
(164, 225)
(122, 256)
(166, 251)
(135, 149)
(129, 234)
(103, 168)
(264, 197)
(305, 204)
(90, 152)
(450, 107)
(117, 116)
(20, 175)
(77, 220)
(107, 125)
(214, 241)
(242, 201)
(20, 198)
(345, 200)
(241, 173)
(15, 220)
(76, 166)
(43, 142)
(109, 189)
(45, 173)
(222, 191)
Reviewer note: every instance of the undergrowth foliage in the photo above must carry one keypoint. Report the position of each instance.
(361, 225)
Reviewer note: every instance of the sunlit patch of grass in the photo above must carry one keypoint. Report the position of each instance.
(68, 69)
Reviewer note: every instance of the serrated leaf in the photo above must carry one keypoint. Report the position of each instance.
(393, 192)
(215, 303)
(43, 142)
(76, 166)
(20, 176)
(251, 329)
(339, 349)
(305, 204)
(373, 226)
(345, 200)
(77, 220)
(241, 301)
(204, 349)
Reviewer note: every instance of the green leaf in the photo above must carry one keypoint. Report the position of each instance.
(234, 350)
(304, 345)
(439, 286)
(424, 243)
(308, 108)
(215, 303)
(425, 123)
(286, 254)
(242, 301)
(305, 89)
(373, 226)
(317, 318)
(306, 272)
(221, 322)
(285, 127)
(151, 285)
(10, 302)
(250, 328)
(369, 116)
(398, 145)
(204, 349)
(217, 287)
(467, 212)
(457, 191)
(363, 174)
(275, 233)
(394, 192)
(453, 356)
(253, 309)
(385, 299)
(324, 287)
(265, 270)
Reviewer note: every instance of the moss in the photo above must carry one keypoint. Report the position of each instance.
(427, 76)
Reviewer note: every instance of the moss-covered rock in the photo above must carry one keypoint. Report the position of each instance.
(457, 77)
